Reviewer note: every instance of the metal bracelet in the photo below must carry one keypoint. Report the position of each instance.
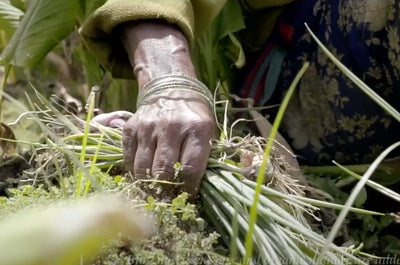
(174, 82)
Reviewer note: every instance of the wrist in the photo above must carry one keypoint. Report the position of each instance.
(157, 49)
(173, 82)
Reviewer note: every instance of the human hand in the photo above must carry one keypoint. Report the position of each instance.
(174, 121)
(173, 126)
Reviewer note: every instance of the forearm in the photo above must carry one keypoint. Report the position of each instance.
(156, 49)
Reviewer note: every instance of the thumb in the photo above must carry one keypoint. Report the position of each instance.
(113, 119)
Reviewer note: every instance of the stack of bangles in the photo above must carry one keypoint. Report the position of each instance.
(174, 83)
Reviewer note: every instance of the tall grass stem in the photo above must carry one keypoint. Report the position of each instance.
(84, 144)
(261, 172)
(364, 87)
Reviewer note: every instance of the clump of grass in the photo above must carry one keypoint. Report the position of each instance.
(281, 231)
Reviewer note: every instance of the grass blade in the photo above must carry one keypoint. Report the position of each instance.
(84, 144)
(261, 173)
(296, 198)
(378, 187)
(366, 89)
(353, 196)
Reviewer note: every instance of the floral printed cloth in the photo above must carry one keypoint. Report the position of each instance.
(329, 118)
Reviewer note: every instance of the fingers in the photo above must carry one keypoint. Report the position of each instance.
(130, 144)
(148, 150)
(194, 158)
(166, 155)
(144, 154)
(139, 146)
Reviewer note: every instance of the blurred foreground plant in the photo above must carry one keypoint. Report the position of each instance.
(68, 233)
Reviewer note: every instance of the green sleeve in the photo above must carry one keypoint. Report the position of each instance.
(99, 35)
(262, 4)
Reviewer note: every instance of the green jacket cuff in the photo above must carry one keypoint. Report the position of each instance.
(99, 34)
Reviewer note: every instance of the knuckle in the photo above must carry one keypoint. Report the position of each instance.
(162, 171)
(128, 159)
(192, 171)
(142, 135)
(170, 124)
(128, 140)
(129, 167)
(129, 129)
(145, 129)
(167, 154)
(192, 176)
(140, 172)
(203, 127)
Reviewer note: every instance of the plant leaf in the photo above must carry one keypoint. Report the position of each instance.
(357, 81)
(391, 245)
(353, 195)
(92, 5)
(217, 49)
(44, 25)
(9, 17)
(94, 73)
(378, 187)
(87, 7)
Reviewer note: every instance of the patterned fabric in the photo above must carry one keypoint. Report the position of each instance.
(329, 118)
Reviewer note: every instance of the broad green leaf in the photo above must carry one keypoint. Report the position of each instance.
(378, 187)
(87, 7)
(230, 21)
(92, 5)
(9, 17)
(217, 49)
(94, 73)
(44, 25)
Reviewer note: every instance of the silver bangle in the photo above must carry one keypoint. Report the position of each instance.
(174, 82)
